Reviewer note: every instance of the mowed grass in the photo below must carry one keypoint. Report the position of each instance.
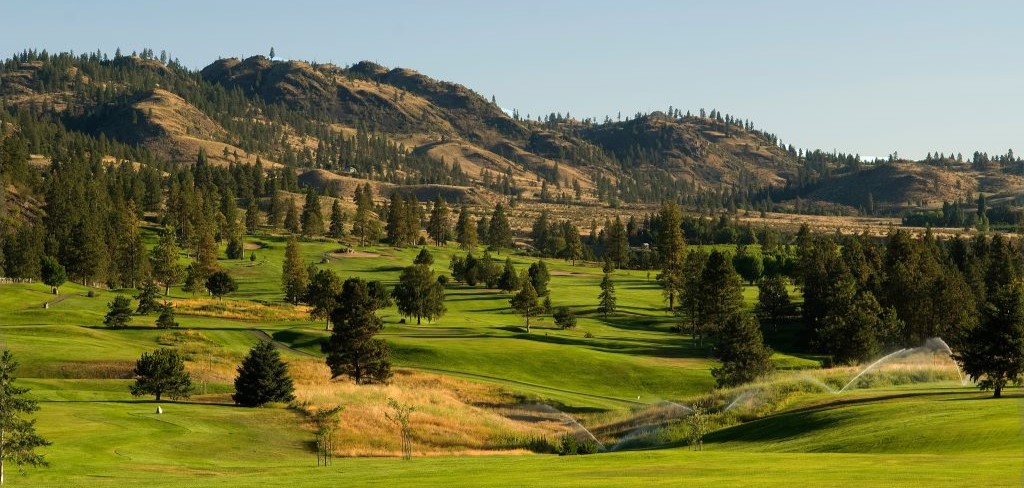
(897, 436)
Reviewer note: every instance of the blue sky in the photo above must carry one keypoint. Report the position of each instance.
(869, 77)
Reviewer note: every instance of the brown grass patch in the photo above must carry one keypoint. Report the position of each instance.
(240, 309)
(102, 369)
(452, 416)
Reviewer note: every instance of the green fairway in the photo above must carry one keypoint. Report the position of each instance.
(603, 371)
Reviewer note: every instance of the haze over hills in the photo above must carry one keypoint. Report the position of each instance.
(399, 126)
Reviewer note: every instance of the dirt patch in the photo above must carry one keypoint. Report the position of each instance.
(565, 273)
(253, 246)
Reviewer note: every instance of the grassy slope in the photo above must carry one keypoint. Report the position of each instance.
(104, 437)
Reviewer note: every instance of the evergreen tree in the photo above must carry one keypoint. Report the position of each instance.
(312, 216)
(53, 273)
(352, 349)
(499, 234)
(365, 225)
(18, 437)
(291, 218)
(440, 227)
(573, 244)
(206, 261)
(419, 293)
(672, 251)
(337, 228)
(526, 301)
(509, 279)
(720, 294)
(147, 298)
(322, 294)
(617, 247)
(742, 352)
(398, 222)
(119, 312)
(253, 219)
(293, 274)
(606, 302)
(164, 260)
(160, 373)
(424, 257)
(263, 378)
(539, 277)
(748, 265)
(564, 318)
(220, 283)
(465, 230)
(773, 301)
(277, 210)
(166, 318)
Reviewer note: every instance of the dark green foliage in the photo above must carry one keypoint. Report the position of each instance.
(235, 248)
(380, 294)
(166, 318)
(773, 303)
(748, 265)
(403, 224)
(220, 284)
(53, 273)
(419, 294)
(18, 437)
(720, 293)
(571, 446)
(499, 232)
(539, 277)
(440, 227)
(160, 373)
(119, 312)
(465, 230)
(263, 378)
(164, 260)
(526, 301)
(322, 294)
(424, 257)
(292, 223)
(564, 318)
(742, 352)
(338, 218)
(672, 249)
(509, 281)
(606, 301)
(147, 298)
(293, 274)
(312, 216)
(352, 349)
(365, 224)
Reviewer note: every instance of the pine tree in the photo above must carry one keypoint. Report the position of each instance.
(773, 299)
(440, 224)
(508, 281)
(206, 261)
(720, 294)
(539, 277)
(365, 224)
(672, 251)
(263, 378)
(573, 244)
(166, 318)
(992, 353)
(742, 352)
(499, 233)
(564, 318)
(18, 437)
(275, 214)
(119, 312)
(617, 247)
(147, 298)
(397, 226)
(160, 373)
(293, 273)
(465, 230)
(526, 301)
(291, 219)
(337, 227)
(312, 216)
(606, 302)
(253, 219)
(352, 349)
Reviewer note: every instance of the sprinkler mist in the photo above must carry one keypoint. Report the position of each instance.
(567, 420)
